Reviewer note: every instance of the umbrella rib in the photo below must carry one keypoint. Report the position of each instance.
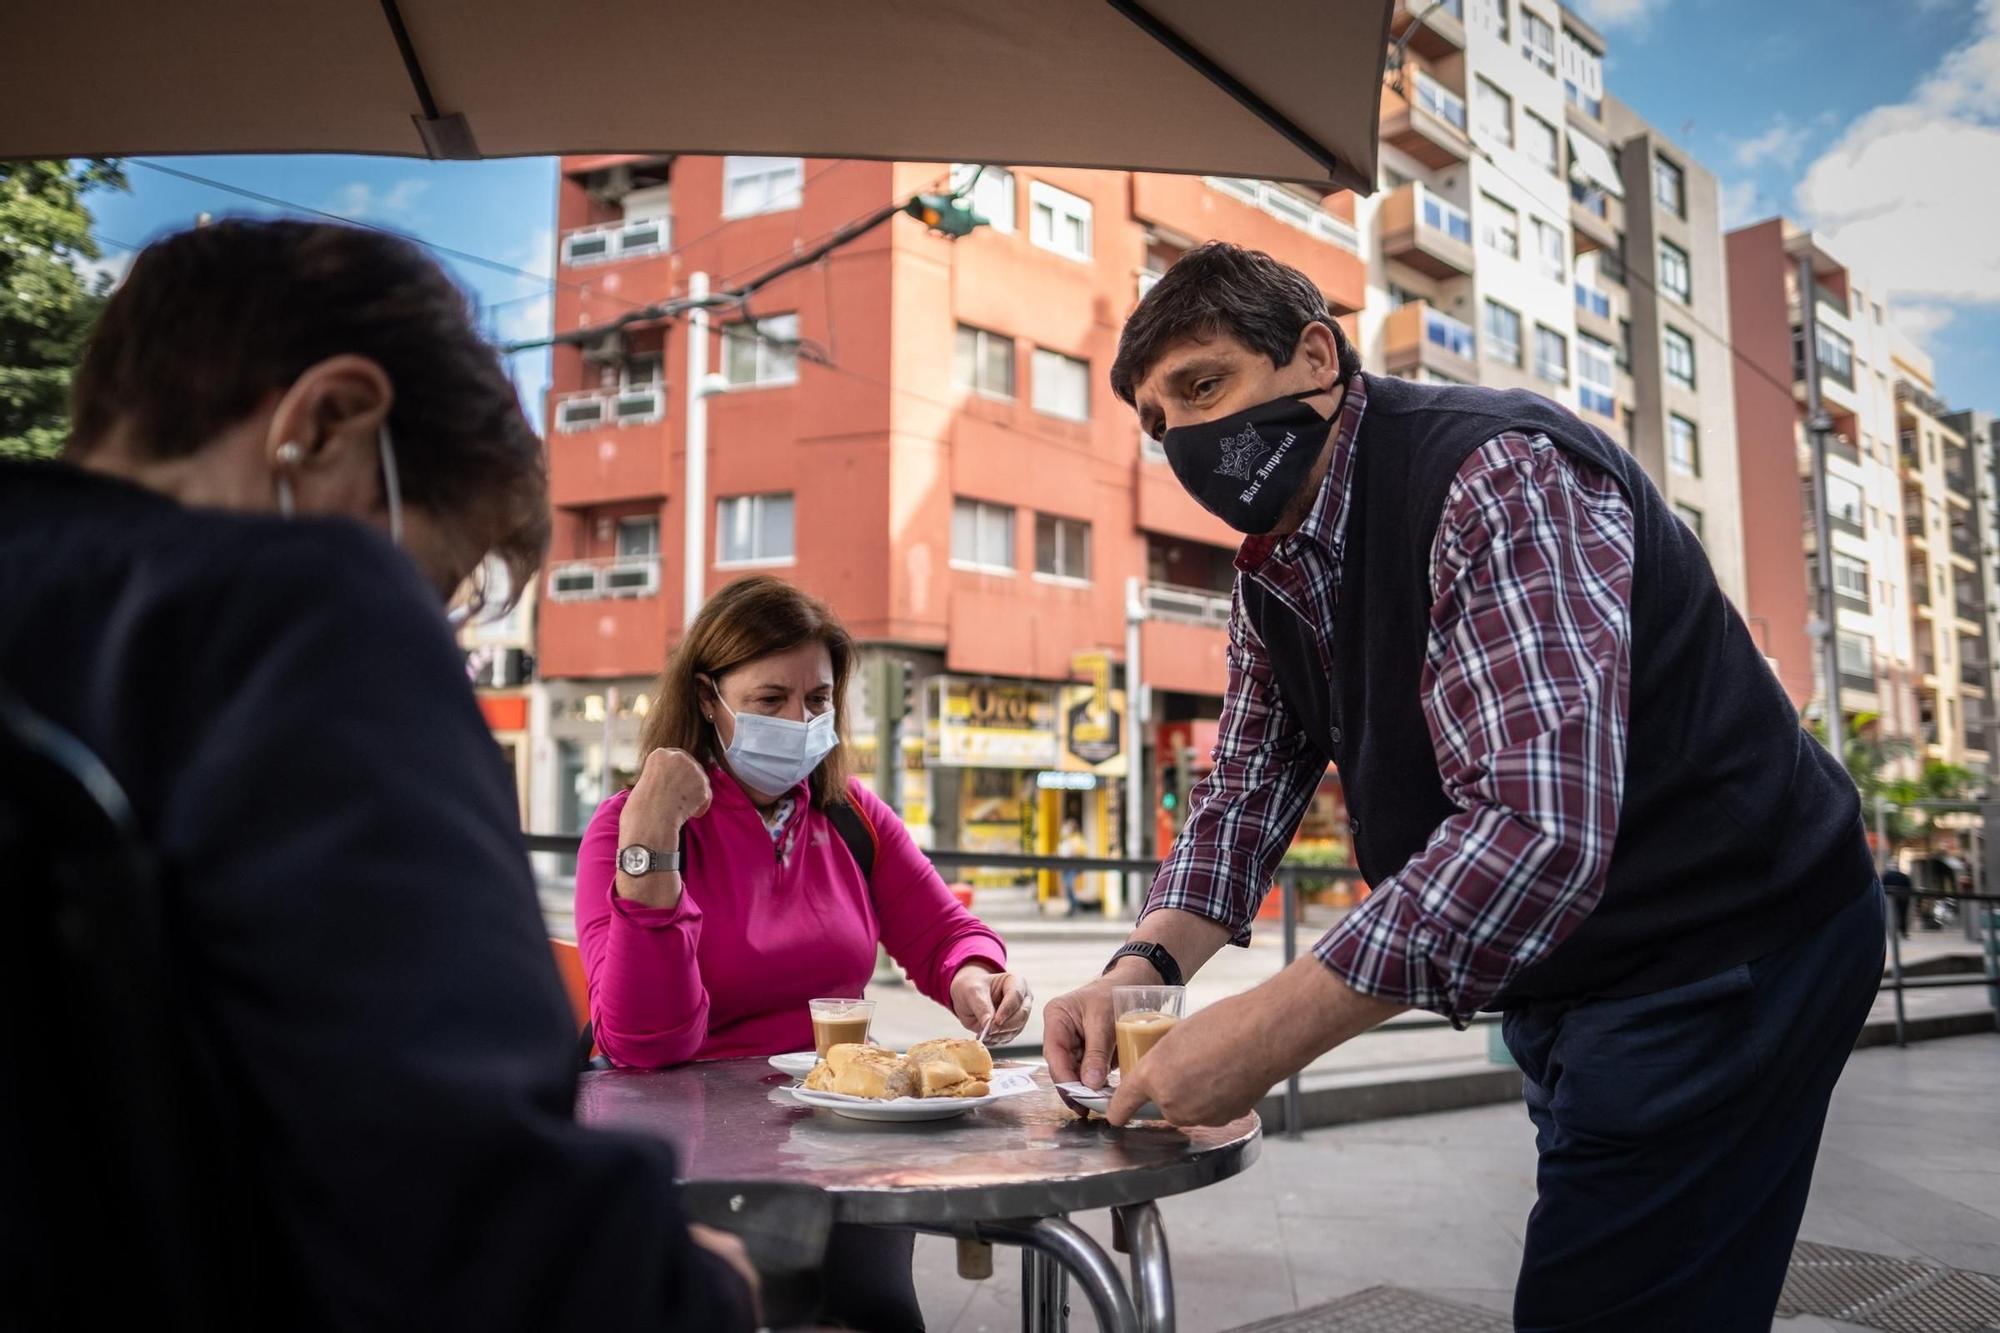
(1198, 60)
(444, 136)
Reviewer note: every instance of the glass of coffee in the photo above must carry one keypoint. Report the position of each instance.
(1144, 1014)
(839, 1022)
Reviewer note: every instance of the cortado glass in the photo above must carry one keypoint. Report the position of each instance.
(838, 1022)
(1144, 1014)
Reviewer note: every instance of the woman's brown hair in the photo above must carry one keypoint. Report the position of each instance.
(749, 619)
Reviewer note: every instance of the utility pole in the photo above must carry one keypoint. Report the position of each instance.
(1136, 712)
(694, 528)
(887, 679)
(1819, 425)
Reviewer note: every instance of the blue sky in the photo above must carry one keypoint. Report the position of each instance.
(1878, 123)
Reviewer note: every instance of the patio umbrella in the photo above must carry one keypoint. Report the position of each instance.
(1277, 89)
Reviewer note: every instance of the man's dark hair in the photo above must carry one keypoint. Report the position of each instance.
(1224, 290)
(210, 322)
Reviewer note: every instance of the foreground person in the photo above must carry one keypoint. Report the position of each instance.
(1580, 794)
(209, 594)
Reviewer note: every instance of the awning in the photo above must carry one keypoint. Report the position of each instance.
(1592, 161)
(1282, 90)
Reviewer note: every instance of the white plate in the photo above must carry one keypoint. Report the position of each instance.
(1004, 1083)
(1099, 1099)
(798, 1064)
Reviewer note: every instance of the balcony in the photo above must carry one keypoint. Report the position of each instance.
(1427, 121)
(616, 576)
(1978, 675)
(1439, 33)
(1840, 446)
(1964, 544)
(608, 242)
(1416, 337)
(1427, 232)
(1906, 449)
(1921, 399)
(1913, 526)
(1187, 606)
(1274, 199)
(639, 405)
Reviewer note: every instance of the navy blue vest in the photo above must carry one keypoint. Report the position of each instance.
(1737, 832)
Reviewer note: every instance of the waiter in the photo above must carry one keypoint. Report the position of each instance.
(1580, 794)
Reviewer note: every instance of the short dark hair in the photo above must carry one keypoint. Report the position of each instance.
(1219, 289)
(210, 322)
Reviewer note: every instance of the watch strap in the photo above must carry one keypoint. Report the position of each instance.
(656, 861)
(1163, 962)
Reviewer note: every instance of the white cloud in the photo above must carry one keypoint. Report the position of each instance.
(1921, 320)
(1780, 145)
(1742, 202)
(111, 265)
(366, 203)
(519, 320)
(1618, 13)
(1909, 194)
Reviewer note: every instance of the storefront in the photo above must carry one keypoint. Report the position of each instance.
(592, 738)
(984, 743)
(1085, 789)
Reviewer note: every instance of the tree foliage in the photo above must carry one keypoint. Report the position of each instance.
(47, 303)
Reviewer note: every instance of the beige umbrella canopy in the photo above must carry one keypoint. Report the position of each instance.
(1277, 89)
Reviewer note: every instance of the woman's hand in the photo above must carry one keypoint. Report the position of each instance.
(979, 993)
(672, 789)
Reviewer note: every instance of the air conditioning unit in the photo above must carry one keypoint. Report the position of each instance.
(587, 247)
(572, 582)
(633, 578)
(580, 413)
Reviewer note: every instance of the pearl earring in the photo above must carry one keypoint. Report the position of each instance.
(289, 456)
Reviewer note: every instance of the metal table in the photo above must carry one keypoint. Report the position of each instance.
(1010, 1173)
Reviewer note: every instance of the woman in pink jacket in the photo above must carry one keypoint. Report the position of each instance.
(718, 895)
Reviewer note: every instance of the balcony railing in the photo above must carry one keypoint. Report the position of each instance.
(1454, 335)
(1440, 214)
(1906, 448)
(1439, 100)
(637, 406)
(608, 241)
(1188, 606)
(1922, 399)
(1287, 207)
(1592, 302)
(1963, 542)
(1976, 674)
(1841, 447)
(617, 576)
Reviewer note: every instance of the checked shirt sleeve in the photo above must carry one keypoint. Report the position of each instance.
(1525, 688)
(1242, 816)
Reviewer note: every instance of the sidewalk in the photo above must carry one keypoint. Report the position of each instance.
(1909, 1169)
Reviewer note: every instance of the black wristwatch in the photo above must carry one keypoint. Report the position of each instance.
(1162, 961)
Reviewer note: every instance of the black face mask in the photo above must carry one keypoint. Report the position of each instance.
(1248, 467)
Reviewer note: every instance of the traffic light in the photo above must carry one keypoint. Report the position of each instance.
(1170, 792)
(945, 214)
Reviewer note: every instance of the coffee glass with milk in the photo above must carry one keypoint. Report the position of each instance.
(839, 1022)
(1143, 1015)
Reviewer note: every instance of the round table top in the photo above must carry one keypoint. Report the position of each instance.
(731, 1121)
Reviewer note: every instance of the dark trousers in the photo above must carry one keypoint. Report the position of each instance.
(1677, 1134)
(869, 1285)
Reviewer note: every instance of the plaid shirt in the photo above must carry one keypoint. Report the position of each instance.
(1524, 686)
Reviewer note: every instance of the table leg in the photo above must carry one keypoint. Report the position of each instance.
(1152, 1273)
(1044, 1293)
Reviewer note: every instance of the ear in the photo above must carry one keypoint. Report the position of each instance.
(330, 412)
(1321, 354)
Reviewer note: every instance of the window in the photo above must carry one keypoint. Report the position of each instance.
(992, 194)
(1843, 502)
(639, 536)
(1440, 101)
(1541, 142)
(1441, 214)
(767, 353)
(761, 185)
(982, 536)
(1503, 333)
(1582, 75)
(1538, 41)
(1062, 548)
(1683, 445)
(1551, 355)
(1549, 250)
(637, 372)
(753, 530)
(1448, 333)
(1062, 385)
(1492, 16)
(1493, 113)
(1669, 186)
(1596, 379)
(983, 362)
(1058, 220)
(1850, 578)
(1856, 654)
(1680, 356)
(1675, 280)
(1692, 517)
(1500, 227)
(1836, 355)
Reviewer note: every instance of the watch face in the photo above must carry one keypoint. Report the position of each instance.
(635, 860)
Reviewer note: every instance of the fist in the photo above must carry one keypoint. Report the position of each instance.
(672, 789)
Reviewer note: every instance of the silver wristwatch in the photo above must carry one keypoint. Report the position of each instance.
(636, 860)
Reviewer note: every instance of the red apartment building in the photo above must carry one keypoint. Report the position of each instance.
(924, 435)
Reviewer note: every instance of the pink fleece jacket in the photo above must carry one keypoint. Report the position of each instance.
(728, 971)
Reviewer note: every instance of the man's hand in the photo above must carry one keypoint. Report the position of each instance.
(731, 1251)
(1218, 1064)
(978, 993)
(1077, 1028)
(671, 790)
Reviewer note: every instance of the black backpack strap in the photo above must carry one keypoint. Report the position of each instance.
(857, 833)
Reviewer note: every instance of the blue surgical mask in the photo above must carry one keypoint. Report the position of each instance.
(775, 754)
